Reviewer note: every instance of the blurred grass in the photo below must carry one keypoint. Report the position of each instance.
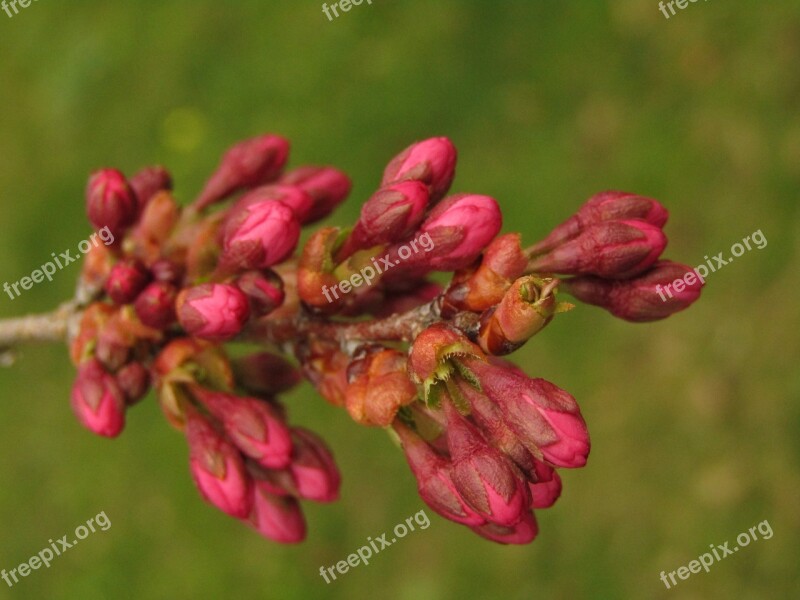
(694, 420)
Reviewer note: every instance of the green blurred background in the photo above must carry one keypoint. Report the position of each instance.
(694, 420)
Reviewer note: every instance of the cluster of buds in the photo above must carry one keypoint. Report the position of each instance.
(401, 352)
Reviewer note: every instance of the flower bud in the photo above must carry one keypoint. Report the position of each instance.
(278, 518)
(149, 181)
(246, 165)
(610, 249)
(434, 479)
(525, 309)
(545, 418)
(217, 467)
(546, 488)
(97, 400)
(648, 297)
(459, 228)
(261, 235)
(523, 532)
(264, 291)
(313, 468)
(390, 214)
(155, 306)
(134, 381)
(213, 311)
(379, 386)
(113, 345)
(265, 374)
(92, 321)
(327, 186)
(126, 280)
(167, 270)
(155, 226)
(431, 161)
(252, 425)
(325, 366)
(289, 195)
(486, 479)
(110, 201)
(606, 206)
(315, 278)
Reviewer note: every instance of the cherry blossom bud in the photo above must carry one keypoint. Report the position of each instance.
(92, 321)
(610, 249)
(431, 161)
(545, 418)
(546, 489)
(261, 235)
(523, 532)
(606, 206)
(315, 278)
(217, 467)
(134, 381)
(434, 479)
(246, 165)
(459, 228)
(278, 518)
(149, 181)
(126, 280)
(525, 309)
(327, 186)
(97, 400)
(486, 479)
(265, 374)
(252, 425)
(292, 196)
(379, 386)
(113, 345)
(390, 214)
(651, 296)
(155, 226)
(264, 291)
(313, 469)
(155, 306)
(110, 201)
(479, 289)
(213, 311)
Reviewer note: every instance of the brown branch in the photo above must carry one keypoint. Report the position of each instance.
(48, 327)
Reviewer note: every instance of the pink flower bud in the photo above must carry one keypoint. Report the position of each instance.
(278, 518)
(434, 479)
(110, 201)
(547, 487)
(246, 165)
(126, 280)
(545, 418)
(252, 425)
(263, 234)
(155, 306)
(460, 227)
(213, 311)
(523, 532)
(149, 181)
(432, 161)
(292, 196)
(610, 249)
(313, 468)
(97, 400)
(217, 467)
(327, 186)
(651, 296)
(391, 214)
(264, 291)
(486, 479)
(167, 270)
(606, 206)
(134, 381)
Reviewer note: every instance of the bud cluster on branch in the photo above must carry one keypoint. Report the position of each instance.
(483, 439)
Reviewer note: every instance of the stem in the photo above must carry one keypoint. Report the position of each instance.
(47, 327)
